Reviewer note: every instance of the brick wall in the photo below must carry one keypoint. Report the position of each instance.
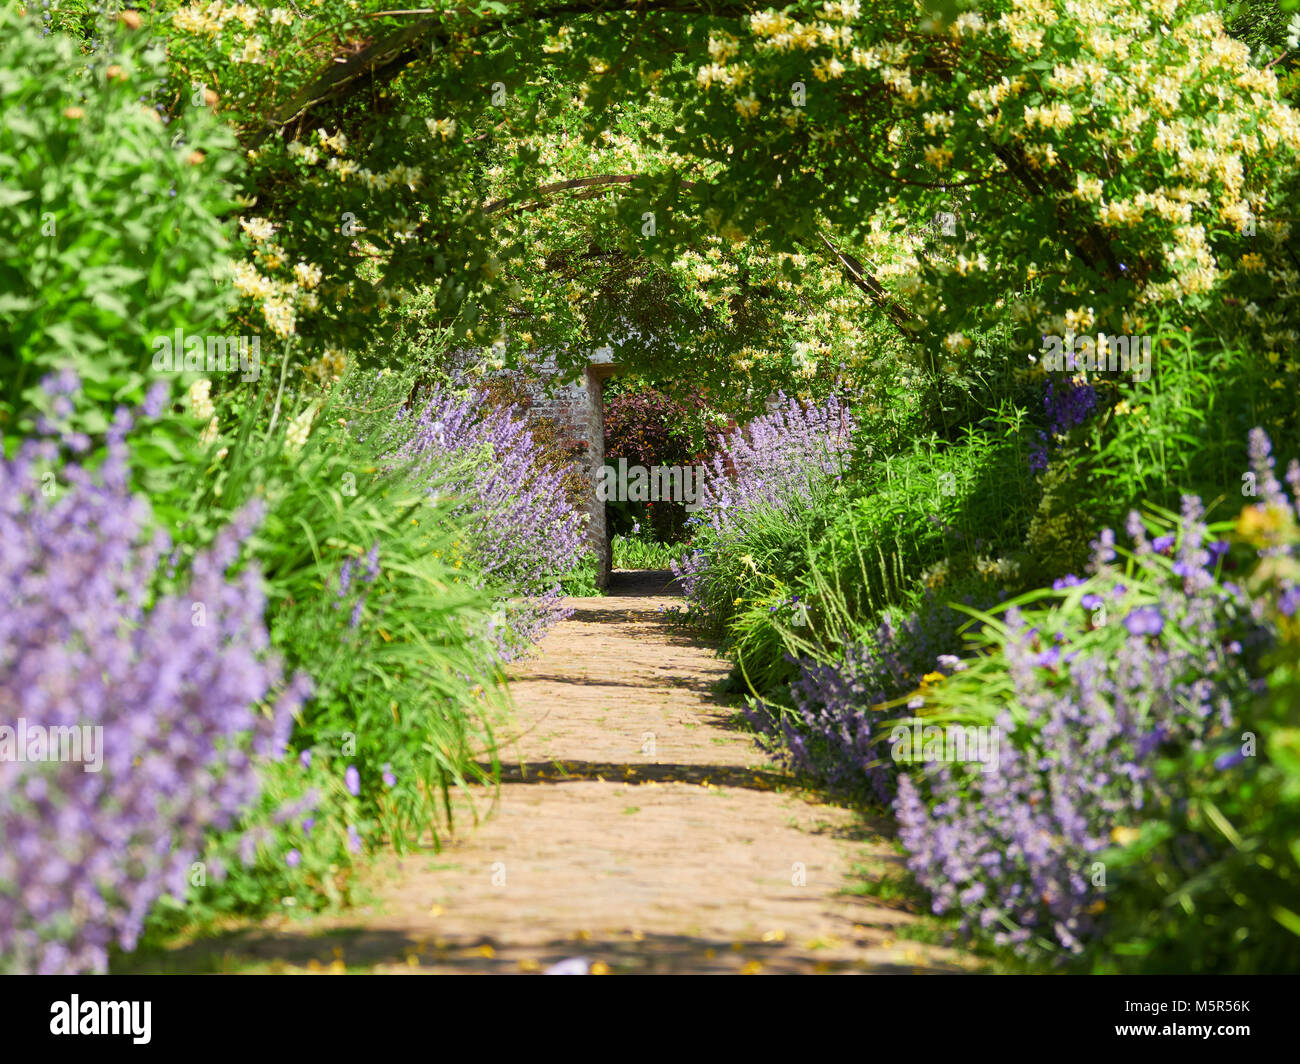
(579, 407)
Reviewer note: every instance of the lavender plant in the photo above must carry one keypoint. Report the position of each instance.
(523, 534)
(832, 732)
(177, 694)
(1088, 692)
(771, 470)
(779, 459)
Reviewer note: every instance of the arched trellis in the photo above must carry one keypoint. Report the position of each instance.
(1038, 214)
(429, 31)
(823, 192)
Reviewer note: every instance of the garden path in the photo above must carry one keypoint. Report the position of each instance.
(637, 828)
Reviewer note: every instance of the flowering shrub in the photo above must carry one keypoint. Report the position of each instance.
(777, 460)
(1066, 405)
(379, 604)
(523, 534)
(174, 684)
(833, 734)
(554, 444)
(297, 847)
(649, 428)
(1209, 883)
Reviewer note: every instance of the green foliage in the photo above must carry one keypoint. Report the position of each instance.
(555, 445)
(1063, 523)
(639, 551)
(1204, 880)
(912, 510)
(648, 428)
(934, 517)
(293, 852)
(545, 178)
(581, 582)
(112, 233)
(1182, 430)
(1210, 886)
(402, 660)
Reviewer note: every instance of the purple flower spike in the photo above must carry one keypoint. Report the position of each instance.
(85, 853)
(1231, 759)
(1145, 620)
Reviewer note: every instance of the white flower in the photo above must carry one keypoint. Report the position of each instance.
(258, 228)
(279, 316)
(252, 52)
(441, 127)
(308, 276)
(295, 435)
(200, 400)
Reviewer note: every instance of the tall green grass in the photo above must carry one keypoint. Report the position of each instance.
(404, 665)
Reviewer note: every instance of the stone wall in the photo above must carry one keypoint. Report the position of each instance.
(579, 407)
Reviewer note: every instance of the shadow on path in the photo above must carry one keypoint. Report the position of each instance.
(641, 582)
(380, 949)
(643, 772)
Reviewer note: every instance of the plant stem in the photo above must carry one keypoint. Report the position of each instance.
(275, 413)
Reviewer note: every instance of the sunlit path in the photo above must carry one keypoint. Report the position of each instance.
(637, 828)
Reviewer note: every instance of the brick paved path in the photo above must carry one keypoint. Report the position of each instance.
(637, 828)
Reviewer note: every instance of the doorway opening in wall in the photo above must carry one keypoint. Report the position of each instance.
(657, 445)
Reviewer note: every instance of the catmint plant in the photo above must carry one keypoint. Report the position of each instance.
(525, 534)
(173, 696)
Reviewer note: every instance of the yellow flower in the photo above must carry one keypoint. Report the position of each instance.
(252, 51)
(299, 429)
(1257, 523)
(258, 228)
(938, 157)
(279, 316)
(308, 275)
